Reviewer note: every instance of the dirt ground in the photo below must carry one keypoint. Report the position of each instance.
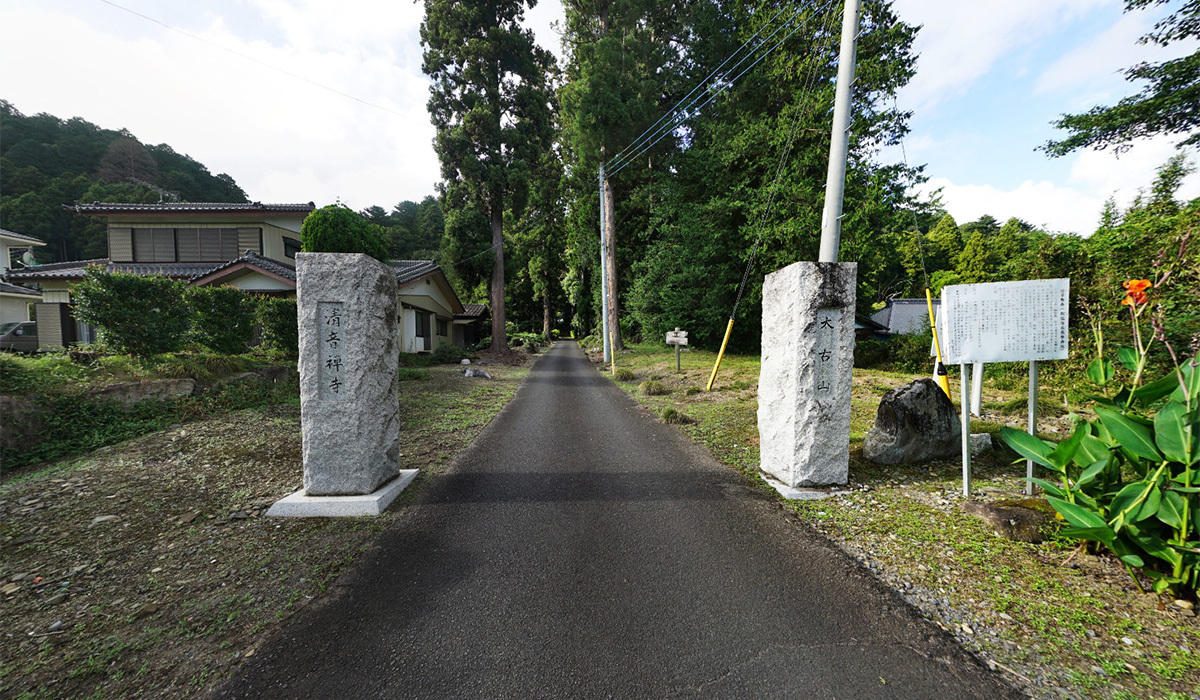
(147, 568)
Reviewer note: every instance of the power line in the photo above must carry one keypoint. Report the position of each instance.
(251, 58)
(683, 115)
(699, 85)
(809, 82)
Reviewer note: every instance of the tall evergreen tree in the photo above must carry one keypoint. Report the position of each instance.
(491, 107)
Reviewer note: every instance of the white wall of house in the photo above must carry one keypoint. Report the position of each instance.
(15, 307)
(428, 296)
(255, 282)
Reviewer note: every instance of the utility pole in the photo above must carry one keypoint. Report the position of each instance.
(603, 265)
(835, 184)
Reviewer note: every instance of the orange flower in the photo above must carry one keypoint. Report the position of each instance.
(1135, 294)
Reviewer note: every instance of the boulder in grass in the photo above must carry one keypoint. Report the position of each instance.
(1019, 519)
(915, 423)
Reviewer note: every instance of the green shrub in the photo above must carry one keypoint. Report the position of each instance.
(624, 374)
(338, 229)
(653, 388)
(222, 318)
(407, 374)
(135, 315)
(448, 354)
(671, 416)
(692, 390)
(901, 353)
(280, 330)
(590, 341)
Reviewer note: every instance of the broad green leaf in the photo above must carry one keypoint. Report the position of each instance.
(1062, 454)
(1076, 515)
(1154, 545)
(1092, 472)
(1131, 435)
(1103, 535)
(1170, 511)
(1170, 434)
(1048, 487)
(1149, 393)
(1128, 357)
(1125, 553)
(1091, 450)
(1101, 371)
(1029, 447)
(1135, 502)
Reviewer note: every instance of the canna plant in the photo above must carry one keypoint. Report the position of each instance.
(1130, 477)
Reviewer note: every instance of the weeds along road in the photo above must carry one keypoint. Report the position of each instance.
(582, 549)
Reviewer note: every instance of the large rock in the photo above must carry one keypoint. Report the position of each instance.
(804, 384)
(1023, 519)
(349, 355)
(915, 423)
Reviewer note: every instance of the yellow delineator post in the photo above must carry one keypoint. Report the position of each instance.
(940, 369)
(720, 355)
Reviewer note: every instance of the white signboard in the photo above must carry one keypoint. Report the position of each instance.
(1005, 321)
(677, 337)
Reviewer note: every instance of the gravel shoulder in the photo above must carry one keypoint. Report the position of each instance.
(146, 569)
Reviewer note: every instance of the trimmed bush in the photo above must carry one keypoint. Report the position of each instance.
(280, 329)
(653, 388)
(338, 229)
(624, 374)
(135, 315)
(673, 417)
(222, 318)
(448, 354)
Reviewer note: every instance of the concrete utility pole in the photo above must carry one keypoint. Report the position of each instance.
(835, 184)
(603, 265)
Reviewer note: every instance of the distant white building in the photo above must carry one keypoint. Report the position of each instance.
(904, 316)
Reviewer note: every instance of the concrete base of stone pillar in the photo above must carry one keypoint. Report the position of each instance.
(805, 381)
(301, 505)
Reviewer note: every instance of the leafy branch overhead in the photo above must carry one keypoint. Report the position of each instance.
(1168, 104)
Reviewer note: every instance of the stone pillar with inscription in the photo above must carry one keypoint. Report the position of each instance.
(804, 383)
(349, 397)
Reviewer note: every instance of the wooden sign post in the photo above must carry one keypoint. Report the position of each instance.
(677, 338)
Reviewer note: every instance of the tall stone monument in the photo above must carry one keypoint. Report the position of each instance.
(349, 397)
(804, 384)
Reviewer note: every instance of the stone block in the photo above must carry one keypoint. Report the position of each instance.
(804, 383)
(915, 423)
(349, 356)
(302, 505)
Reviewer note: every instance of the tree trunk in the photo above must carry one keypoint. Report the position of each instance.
(610, 234)
(546, 315)
(499, 337)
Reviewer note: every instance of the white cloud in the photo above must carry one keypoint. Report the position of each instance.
(1105, 173)
(1043, 203)
(281, 138)
(960, 42)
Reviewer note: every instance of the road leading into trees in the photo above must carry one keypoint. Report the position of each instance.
(582, 549)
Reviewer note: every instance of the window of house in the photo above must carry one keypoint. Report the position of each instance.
(422, 324)
(441, 327)
(206, 244)
(153, 245)
(291, 246)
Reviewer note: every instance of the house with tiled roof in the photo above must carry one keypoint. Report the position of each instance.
(905, 316)
(251, 246)
(15, 300)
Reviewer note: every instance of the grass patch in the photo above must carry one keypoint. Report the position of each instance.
(653, 388)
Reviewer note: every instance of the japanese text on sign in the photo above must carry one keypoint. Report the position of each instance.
(331, 367)
(1005, 321)
(825, 359)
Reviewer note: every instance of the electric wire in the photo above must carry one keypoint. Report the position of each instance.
(701, 84)
(250, 58)
(682, 115)
(805, 105)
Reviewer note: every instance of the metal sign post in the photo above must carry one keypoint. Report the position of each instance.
(677, 338)
(1024, 321)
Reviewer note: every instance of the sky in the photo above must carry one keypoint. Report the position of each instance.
(311, 100)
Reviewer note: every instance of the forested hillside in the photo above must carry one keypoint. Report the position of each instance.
(46, 162)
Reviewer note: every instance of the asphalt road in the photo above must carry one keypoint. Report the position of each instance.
(582, 549)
